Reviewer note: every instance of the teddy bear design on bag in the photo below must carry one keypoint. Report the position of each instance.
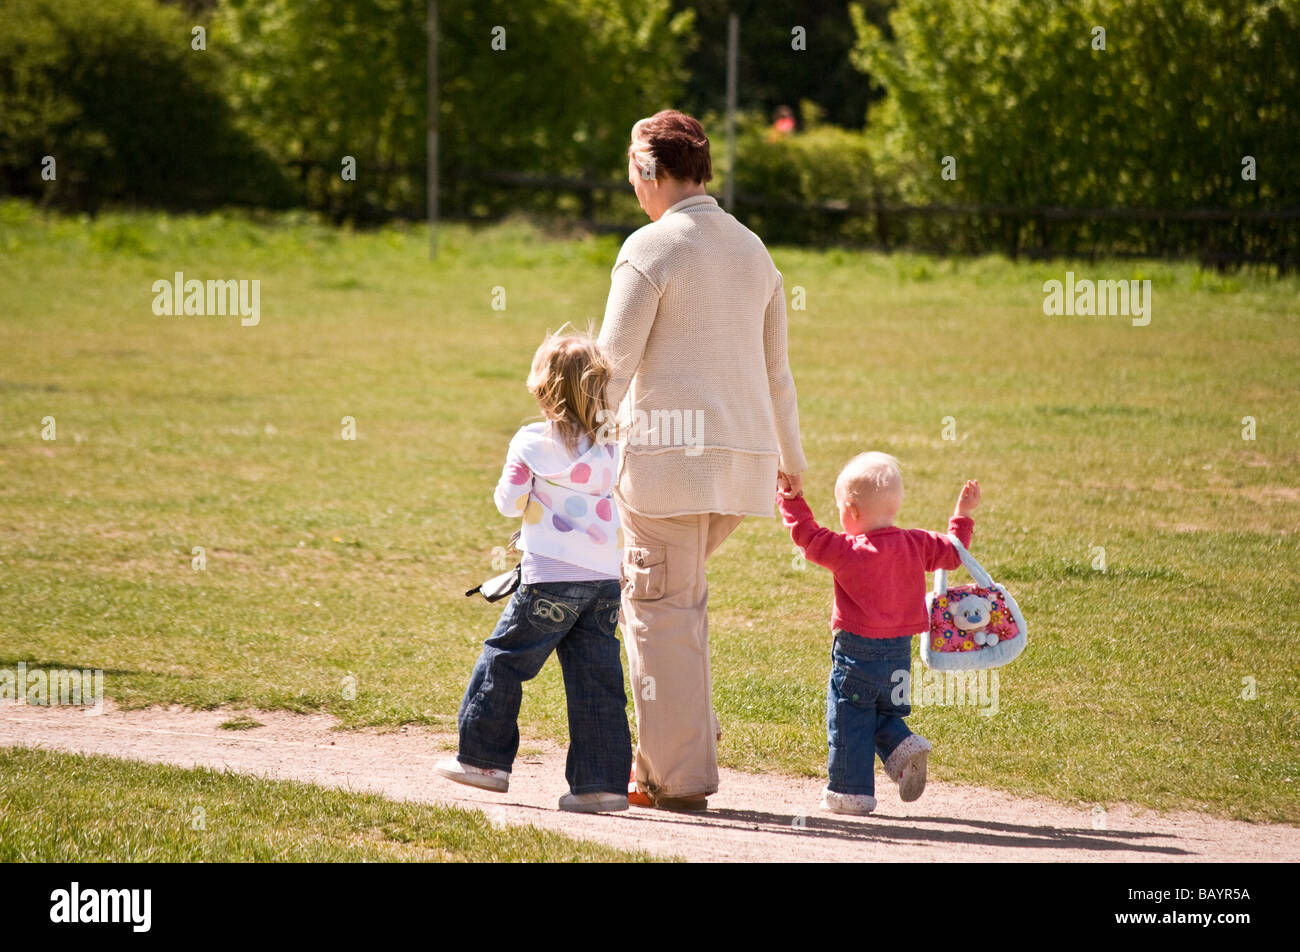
(971, 614)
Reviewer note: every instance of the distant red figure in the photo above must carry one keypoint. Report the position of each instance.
(783, 123)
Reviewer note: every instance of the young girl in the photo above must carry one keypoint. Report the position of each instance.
(558, 476)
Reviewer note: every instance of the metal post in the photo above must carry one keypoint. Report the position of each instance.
(733, 41)
(432, 144)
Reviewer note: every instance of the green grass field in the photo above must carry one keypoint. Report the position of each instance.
(54, 812)
(329, 559)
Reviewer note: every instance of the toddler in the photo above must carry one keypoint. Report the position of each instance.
(879, 572)
(558, 477)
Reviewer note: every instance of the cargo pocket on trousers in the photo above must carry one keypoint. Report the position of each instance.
(644, 571)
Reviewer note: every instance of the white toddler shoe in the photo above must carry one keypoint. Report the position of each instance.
(906, 766)
(850, 804)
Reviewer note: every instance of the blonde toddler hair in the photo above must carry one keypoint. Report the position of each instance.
(568, 379)
(870, 479)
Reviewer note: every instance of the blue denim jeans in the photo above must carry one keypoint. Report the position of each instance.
(577, 620)
(862, 720)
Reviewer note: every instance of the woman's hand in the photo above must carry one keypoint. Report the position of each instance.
(789, 486)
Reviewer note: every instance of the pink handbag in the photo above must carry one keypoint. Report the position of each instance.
(977, 625)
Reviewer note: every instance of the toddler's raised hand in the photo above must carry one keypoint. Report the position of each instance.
(969, 498)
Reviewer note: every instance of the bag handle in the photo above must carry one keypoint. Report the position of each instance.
(982, 578)
(515, 573)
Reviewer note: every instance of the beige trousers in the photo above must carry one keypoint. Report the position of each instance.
(666, 631)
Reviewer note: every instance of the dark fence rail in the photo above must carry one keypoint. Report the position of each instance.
(1218, 237)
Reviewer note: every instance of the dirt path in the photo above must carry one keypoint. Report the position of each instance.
(755, 817)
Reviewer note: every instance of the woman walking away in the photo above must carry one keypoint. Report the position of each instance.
(695, 333)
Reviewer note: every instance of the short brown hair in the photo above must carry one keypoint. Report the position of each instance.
(677, 144)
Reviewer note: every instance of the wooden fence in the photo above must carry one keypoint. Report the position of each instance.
(1217, 237)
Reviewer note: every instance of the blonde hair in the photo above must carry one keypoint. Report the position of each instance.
(641, 152)
(869, 477)
(568, 379)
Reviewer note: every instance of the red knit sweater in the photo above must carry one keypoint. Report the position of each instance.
(879, 575)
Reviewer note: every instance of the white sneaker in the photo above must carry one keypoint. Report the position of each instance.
(498, 780)
(851, 804)
(593, 802)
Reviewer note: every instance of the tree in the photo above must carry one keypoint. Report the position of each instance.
(1034, 114)
(551, 86)
(114, 92)
(1034, 111)
(771, 73)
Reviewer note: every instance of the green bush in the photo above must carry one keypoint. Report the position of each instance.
(808, 187)
(1036, 114)
(113, 91)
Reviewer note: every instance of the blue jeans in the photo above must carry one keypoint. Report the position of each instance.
(862, 720)
(577, 620)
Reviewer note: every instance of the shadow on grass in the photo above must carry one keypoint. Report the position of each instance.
(12, 663)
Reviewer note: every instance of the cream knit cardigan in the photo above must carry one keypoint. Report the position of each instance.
(695, 331)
